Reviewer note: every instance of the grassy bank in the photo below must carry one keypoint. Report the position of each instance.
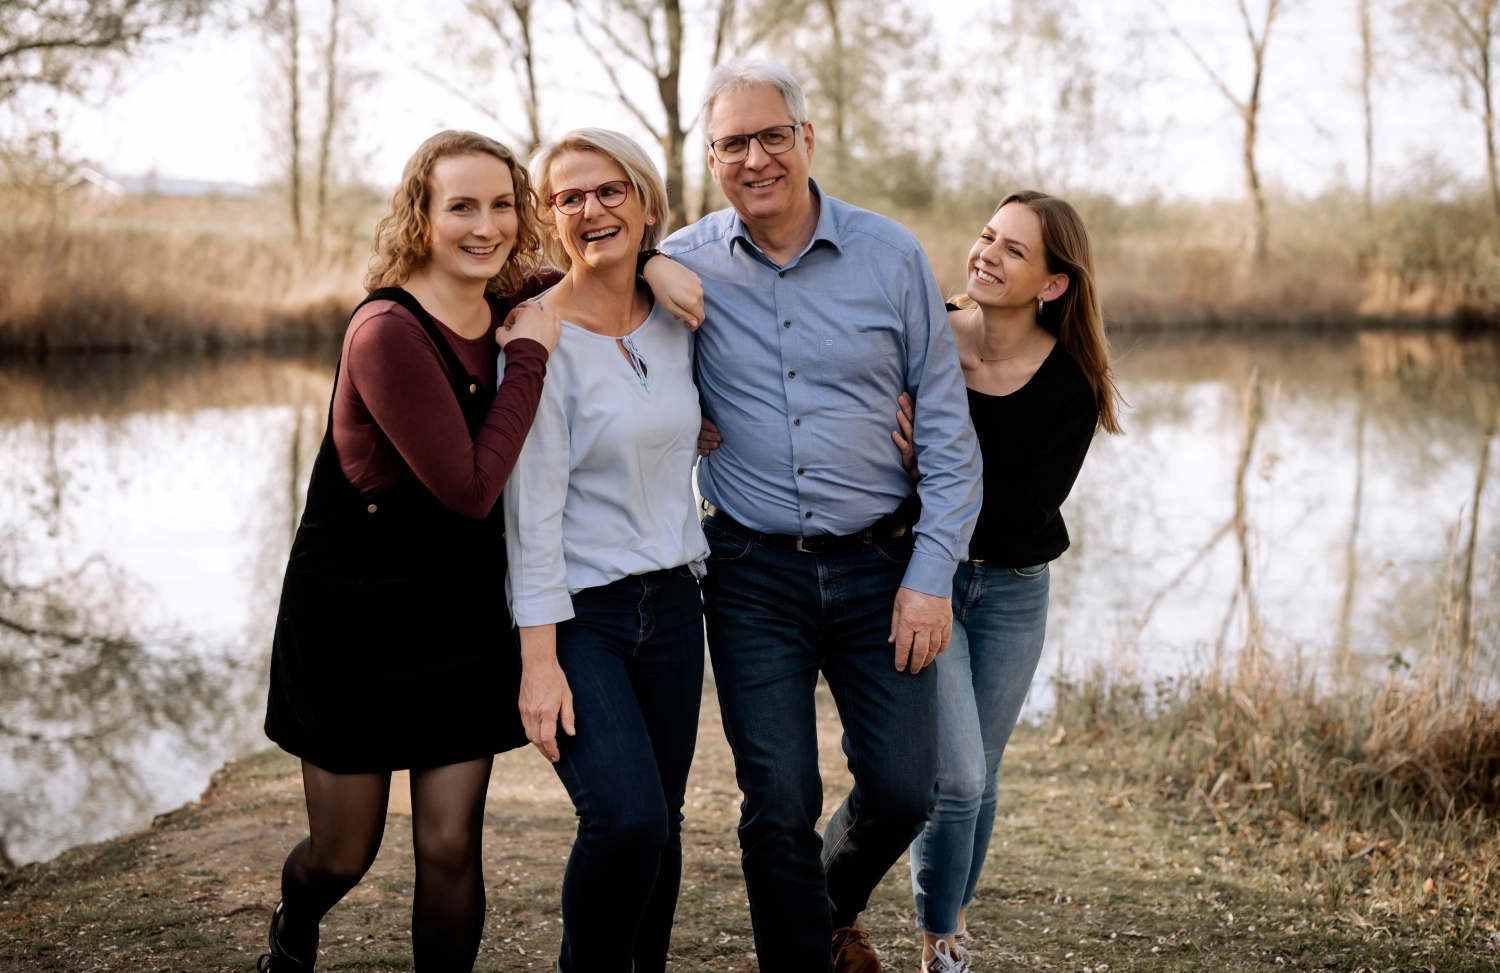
(148, 273)
(1099, 863)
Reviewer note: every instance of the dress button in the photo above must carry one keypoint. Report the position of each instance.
(473, 388)
(371, 508)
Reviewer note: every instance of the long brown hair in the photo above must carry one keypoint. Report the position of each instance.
(403, 237)
(1076, 317)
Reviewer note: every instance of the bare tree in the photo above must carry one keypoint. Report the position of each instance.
(282, 24)
(333, 106)
(1458, 37)
(511, 22)
(54, 43)
(1366, 84)
(1247, 106)
(647, 33)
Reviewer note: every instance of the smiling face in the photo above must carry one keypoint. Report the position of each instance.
(761, 186)
(598, 236)
(1008, 263)
(472, 216)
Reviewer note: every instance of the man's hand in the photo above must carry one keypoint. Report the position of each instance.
(678, 289)
(921, 626)
(545, 697)
(906, 414)
(708, 437)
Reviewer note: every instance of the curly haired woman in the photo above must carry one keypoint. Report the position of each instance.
(388, 654)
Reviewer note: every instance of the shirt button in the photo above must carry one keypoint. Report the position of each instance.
(796, 422)
(781, 273)
(809, 515)
(800, 471)
(791, 374)
(786, 324)
(372, 508)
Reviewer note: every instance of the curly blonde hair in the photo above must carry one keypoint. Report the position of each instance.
(403, 237)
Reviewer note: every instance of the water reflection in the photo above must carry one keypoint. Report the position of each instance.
(146, 509)
(145, 514)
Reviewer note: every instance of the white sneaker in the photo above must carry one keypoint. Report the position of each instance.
(949, 958)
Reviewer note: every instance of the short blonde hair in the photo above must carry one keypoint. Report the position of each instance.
(403, 237)
(624, 152)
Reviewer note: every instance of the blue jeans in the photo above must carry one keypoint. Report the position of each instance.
(775, 618)
(999, 624)
(633, 655)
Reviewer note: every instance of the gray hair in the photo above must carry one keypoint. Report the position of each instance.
(745, 73)
(624, 152)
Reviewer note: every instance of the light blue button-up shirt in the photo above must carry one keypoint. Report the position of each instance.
(800, 367)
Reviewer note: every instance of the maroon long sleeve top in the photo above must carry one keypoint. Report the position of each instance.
(395, 414)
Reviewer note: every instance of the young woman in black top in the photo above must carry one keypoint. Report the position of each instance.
(1031, 341)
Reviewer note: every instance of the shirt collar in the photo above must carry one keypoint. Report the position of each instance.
(827, 230)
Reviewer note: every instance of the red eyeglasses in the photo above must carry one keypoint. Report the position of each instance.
(570, 202)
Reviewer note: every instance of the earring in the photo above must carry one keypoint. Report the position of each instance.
(650, 221)
(1039, 303)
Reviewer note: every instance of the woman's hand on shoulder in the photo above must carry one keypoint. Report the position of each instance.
(677, 289)
(531, 319)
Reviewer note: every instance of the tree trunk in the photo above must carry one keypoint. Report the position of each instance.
(723, 25)
(522, 10)
(836, 92)
(294, 112)
(331, 112)
(1252, 172)
(1487, 35)
(1366, 81)
(672, 143)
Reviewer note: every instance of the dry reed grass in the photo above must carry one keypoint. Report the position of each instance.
(168, 275)
(142, 273)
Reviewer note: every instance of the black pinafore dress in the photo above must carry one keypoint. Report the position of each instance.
(394, 647)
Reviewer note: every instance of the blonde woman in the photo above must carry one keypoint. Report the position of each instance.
(387, 655)
(605, 551)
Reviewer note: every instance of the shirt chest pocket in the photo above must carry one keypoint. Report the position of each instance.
(860, 372)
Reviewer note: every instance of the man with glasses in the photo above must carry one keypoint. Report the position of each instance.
(820, 315)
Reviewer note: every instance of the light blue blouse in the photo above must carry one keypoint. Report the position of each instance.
(604, 484)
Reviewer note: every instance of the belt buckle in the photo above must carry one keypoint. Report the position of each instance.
(802, 549)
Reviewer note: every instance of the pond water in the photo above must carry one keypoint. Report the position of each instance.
(147, 507)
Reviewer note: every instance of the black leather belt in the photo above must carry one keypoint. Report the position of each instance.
(887, 528)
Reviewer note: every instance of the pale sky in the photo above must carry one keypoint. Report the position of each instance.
(195, 108)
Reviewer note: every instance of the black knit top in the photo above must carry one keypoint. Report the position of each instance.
(1033, 441)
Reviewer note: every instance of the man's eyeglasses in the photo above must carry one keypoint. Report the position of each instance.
(773, 141)
(570, 202)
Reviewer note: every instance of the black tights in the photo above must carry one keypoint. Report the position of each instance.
(346, 818)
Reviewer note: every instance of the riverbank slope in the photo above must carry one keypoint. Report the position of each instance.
(1081, 877)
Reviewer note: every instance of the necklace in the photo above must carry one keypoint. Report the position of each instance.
(1011, 357)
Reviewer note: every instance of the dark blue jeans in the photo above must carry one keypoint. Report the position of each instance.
(775, 618)
(633, 655)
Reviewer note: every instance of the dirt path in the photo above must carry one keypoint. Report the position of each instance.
(1078, 879)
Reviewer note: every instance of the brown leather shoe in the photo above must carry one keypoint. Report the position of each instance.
(852, 952)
